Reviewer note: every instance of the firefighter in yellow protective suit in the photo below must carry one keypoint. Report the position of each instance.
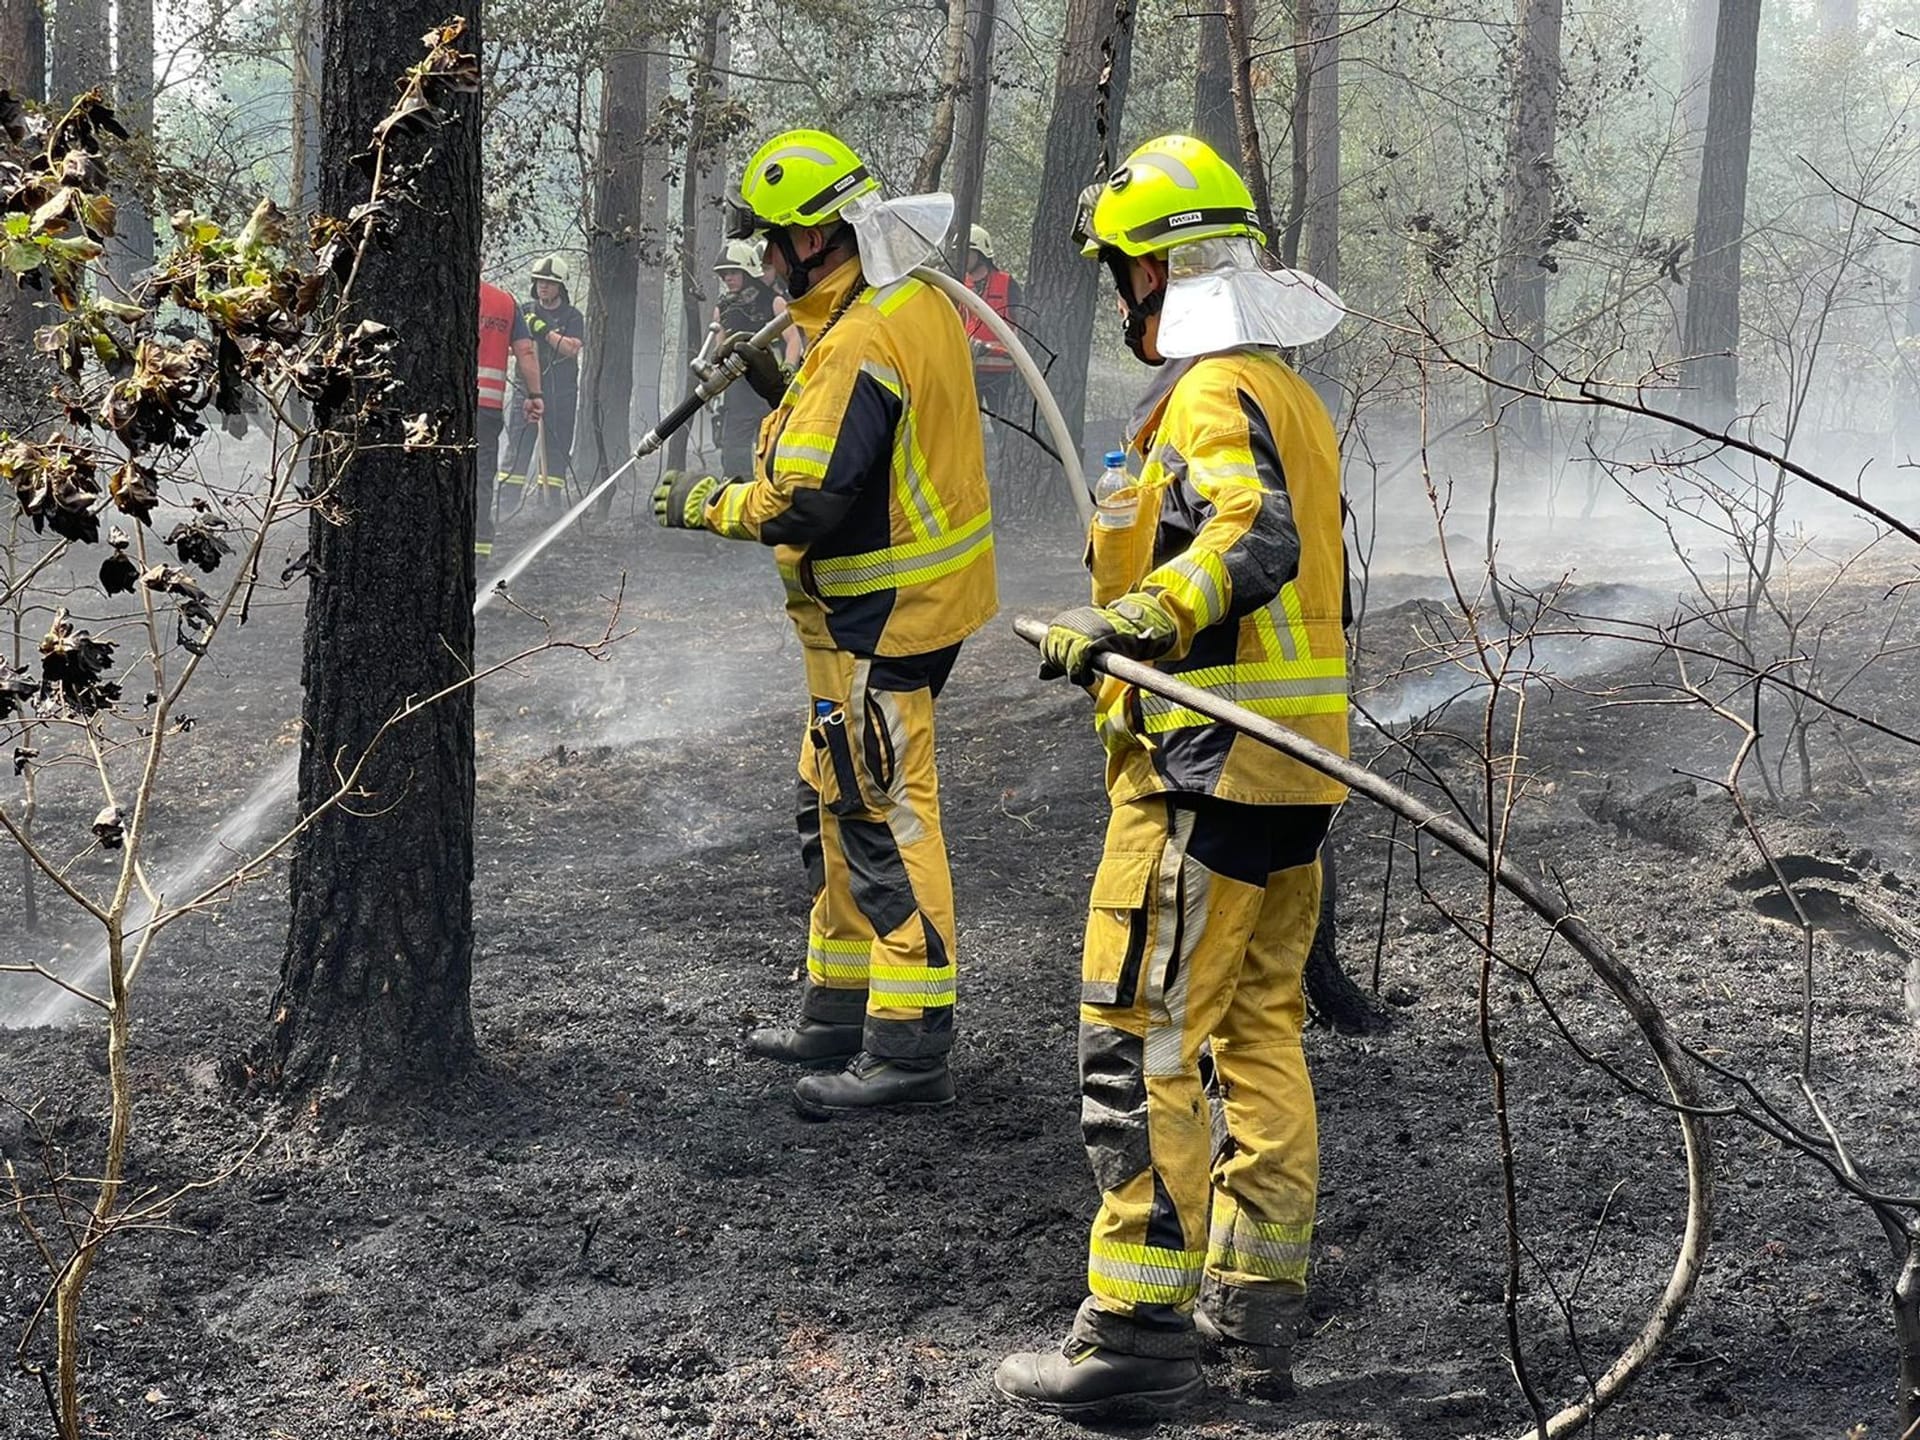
(1228, 573)
(870, 482)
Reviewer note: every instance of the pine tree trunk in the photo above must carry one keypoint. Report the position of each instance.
(82, 49)
(1246, 116)
(1526, 228)
(1061, 283)
(1712, 338)
(947, 100)
(969, 171)
(650, 309)
(304, 40)
(701, 182)
(613, 247)
(373, 996)
(1213, 85)
(134, 246)
(23, 70)
(1320, 248)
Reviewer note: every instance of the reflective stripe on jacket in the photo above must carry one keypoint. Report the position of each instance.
(1237, 531)
(870, 479)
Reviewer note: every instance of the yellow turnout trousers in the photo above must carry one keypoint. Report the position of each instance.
(1201, 917)
(880, 942)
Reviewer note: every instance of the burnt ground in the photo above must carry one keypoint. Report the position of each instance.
(616, 1227)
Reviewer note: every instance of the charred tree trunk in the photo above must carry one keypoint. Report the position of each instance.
(82, 50)
(969, 173)
(1333, 1000)
(613, 243)
(23, 71)
(1246, 119)
(946, 107)
(1526, 226)
(133, 98)
(1090, 83)
(1213, 119)
(700, 180)
(373, 996)
(1712, 340)
(305, 41)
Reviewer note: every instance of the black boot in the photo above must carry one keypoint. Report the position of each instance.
(1082, 1379)
(806, 1042)
(1262, 1371)
(871, 1083)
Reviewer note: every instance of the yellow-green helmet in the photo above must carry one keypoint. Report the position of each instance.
(1171, 191)
(800, 177)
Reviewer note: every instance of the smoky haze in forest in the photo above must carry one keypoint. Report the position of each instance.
(1552, 227)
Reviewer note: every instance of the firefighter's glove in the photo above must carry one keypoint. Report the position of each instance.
(680, 500)
(764, 372)
(1136, 626)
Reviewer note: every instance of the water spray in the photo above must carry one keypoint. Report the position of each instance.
(238, 831)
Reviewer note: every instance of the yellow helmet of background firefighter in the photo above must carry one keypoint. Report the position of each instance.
(1171, 191)
(800, 177)
(979, 239)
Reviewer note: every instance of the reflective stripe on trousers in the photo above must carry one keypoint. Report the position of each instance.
(880, 944)
(1190, 939)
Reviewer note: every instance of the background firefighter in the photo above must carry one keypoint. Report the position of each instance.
(559, 330)
(1223, 563)
(502, 332)
(871, 484)
(746, 303)
(993, 373)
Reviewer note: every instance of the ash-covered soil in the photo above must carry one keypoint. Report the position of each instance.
(617, 1226)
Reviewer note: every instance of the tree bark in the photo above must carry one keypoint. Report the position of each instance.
(1526, 222)
(946, 108)
(1321, 245)
(969, 175)
(23, 70)
(613, 244)
(1246, 119)
(82, 50)
(1712, 338)
(1061, 285)
(650, 308)
(134, 246)
(700, 183)
(373, 996)
(1213, 119)
(305, 41)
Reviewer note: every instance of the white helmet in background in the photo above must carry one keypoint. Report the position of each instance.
(979, 239)
(746, 256)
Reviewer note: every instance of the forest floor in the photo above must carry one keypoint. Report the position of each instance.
(618, 1227)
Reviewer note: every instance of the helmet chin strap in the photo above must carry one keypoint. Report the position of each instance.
(800, 272)
(1139, 312)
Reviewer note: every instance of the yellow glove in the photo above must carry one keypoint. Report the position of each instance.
(1136, 626)
(680, 500)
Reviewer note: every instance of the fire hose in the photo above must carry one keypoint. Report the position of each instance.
(719, 376)
(1675, 1067)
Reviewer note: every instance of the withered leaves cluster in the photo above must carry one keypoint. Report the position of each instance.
(73, 668)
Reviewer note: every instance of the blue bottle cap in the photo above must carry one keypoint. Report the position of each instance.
(1116, 459)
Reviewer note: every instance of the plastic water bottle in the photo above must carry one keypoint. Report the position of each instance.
(1110, 513)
